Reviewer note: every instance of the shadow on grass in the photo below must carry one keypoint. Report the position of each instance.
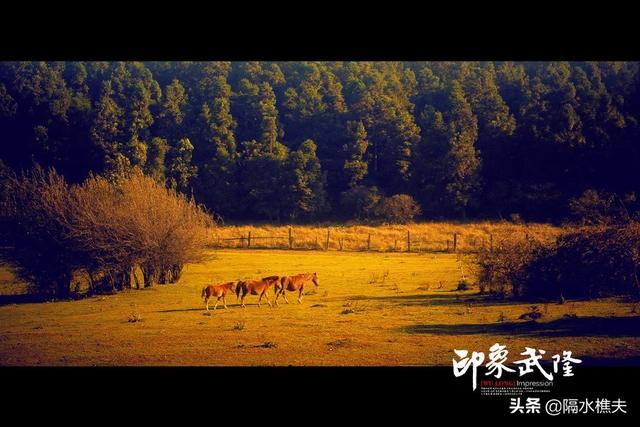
(220, 308)
(22, 299)
(450, 298)
(178, 310)
(564, 327)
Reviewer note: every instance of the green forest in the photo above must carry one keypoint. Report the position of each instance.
(311, 141)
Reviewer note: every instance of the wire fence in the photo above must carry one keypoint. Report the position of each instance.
(335, 240)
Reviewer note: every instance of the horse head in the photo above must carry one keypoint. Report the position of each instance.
(315, 280)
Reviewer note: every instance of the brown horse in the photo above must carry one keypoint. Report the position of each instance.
(256, 287)
(295, 283)
(219, 291)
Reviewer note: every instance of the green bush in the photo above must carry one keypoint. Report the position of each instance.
(360, 202)
(398, 209)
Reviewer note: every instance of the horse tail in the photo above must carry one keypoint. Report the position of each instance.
(204, 292)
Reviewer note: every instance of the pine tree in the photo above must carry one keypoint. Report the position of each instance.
(304, 184)
(181, 170)
(260, 180)
(462, 160)
(355, 167)
(173, 111)
(156, 158)
(217, 157)
(106, 131)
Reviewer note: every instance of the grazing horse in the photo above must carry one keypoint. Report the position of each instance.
(219, 291)
(256, 287)
(295, 283)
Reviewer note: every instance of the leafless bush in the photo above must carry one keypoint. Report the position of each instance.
(109, 229)
(589, 262)
(502, 270)
(135, 317)
(593, 207)
(33, 222)
(584, 262)
(173, 228)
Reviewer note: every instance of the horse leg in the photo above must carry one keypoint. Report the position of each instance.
(206, 301)
(242, 300)
(224, 301)
(267, 297)
(216, 304)
(300, 296)
(284, 295)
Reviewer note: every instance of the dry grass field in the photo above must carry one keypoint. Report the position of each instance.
(370, 309)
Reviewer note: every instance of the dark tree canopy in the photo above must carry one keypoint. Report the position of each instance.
(314, 140)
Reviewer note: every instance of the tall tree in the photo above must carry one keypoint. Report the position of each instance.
(106, 131)
(354, 150)
(304, 183)
(462, 158)
(181, 170)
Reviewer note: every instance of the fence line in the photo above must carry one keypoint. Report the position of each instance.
(367, 242)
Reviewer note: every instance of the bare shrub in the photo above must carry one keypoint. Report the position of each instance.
(173, 227)
(589, 262)
(33, 222)
(584, 262)
(374, 278)
(106, 232)
(135, 317)
(592, 207)
(110, 229)
(238, 326)
(502, 270)
(137, 222)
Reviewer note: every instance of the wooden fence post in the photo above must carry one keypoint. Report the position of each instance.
(491, 242)
(242, 241)
(395, 245)
(455, 242)
(408, 241)
(369, 242)
(327, 246)
(249, 240)
(290, 238)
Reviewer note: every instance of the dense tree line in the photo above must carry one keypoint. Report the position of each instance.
(316, 140)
